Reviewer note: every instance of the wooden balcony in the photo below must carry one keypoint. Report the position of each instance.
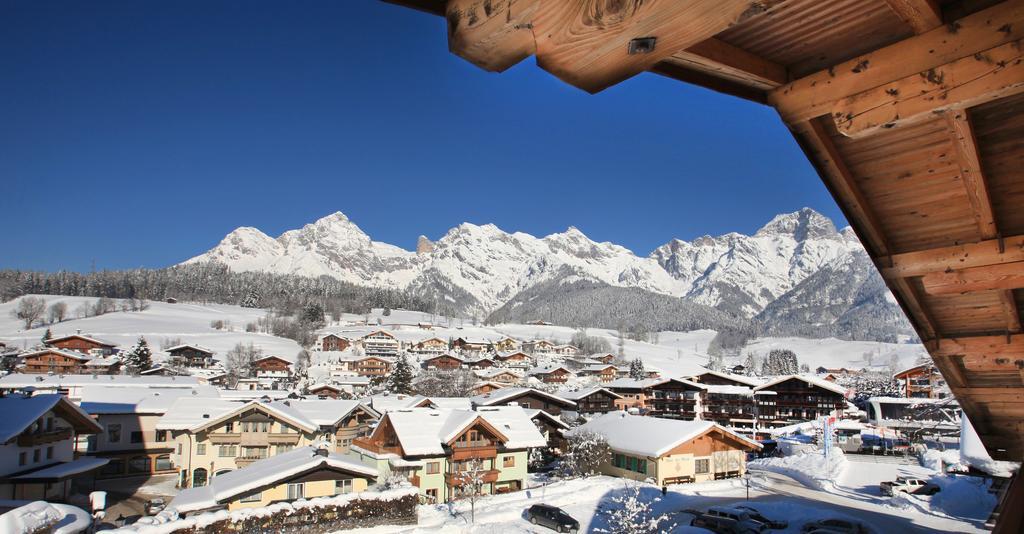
(375, 448)
(42, 438)
(232, 438)
(457, 479)
(287, 439)
(463, 453)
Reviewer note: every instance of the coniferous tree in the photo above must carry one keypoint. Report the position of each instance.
(400, 379)
(636, 369)
(139, 358)
(47, 336)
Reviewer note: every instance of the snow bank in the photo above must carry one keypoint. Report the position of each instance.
(962, 497)
(167, 521)
(941, 461)
(811, 468)
(974, 454)
(41, 516)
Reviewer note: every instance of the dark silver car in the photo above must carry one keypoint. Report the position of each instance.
(553, 518)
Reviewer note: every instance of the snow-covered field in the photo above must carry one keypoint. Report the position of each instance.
(189, 322)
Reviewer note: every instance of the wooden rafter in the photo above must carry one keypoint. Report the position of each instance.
(966, 147)
(969, 81)
(920, 15)
(817, 94)
(723, 59)
(1004, 277)
(938, 260)
(907, 294)
(1009, 304)
(676, 71)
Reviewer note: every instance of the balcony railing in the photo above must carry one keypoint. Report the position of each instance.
(458, 479)
(370, 446)
(224, 438)
(278, 437)
(42, 438)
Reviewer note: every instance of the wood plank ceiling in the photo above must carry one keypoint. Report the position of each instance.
(912, 112)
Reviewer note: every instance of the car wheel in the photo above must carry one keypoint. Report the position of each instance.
(533, 520)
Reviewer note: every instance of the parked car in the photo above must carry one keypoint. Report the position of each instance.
(837, 526)
(155, 506)
(552, 517)
(916, 486)
(724, 520)
(759, 517)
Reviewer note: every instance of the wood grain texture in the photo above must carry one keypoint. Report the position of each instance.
(491, 34)
(920, 15)
(988, 278)
(816, 94)
(718, 57)
(585, 42)
(970, 81)
(938, 260)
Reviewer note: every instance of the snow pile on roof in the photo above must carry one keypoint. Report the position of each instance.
(326, 412)
(730, 390)
(265, 473)
(14, 381)
(419, 430)
(188, 412)
(74, 355)
(974, 454)
(64, 470)
(812, 468)
(425, 431)
(515, 424)
(575, 396)
(167, 521)
(649, 436)
(451, 403)
(501, 396)
(102, 399)
(41, 516)
(742, 379)
(20, 411)
(387, 403)
(812, 380)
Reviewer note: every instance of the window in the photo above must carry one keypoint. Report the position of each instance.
(255, 496)
(284, 448)
(161, 435)
(114, 433)
(508, 461)
(432, 493)
(22, 458)
(138, 464)
(90, 443)
(35, 456)
(200, 449)
(343, 486)
(163, 463)
(227, 451)
(49, 453)
(296, 491)
(254, 452)
(114, 467)
(199, 478)
(433, 468)
(229, 428)
(136, 437)
(702, 466)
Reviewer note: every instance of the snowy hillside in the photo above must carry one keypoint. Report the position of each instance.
(161, 321)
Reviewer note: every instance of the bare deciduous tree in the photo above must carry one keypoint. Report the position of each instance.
(30, 310)
(58, 311)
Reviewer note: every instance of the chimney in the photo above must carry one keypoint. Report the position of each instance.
(321, 450)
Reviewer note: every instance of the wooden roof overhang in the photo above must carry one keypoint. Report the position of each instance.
(911, 111)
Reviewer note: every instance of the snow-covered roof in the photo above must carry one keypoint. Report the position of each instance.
(264, 473)
(752, 382)
(18, 380)
(508, 354)
(503, 395)
(575, 396)
(64, 470)
(451, 403)
(813, 380)
(533, 414)
(325, 412)
(387, 403)
(598, 367)
(547, 369)
(425, 431)
(630, 383)
(495, 371)
(81, 336)
(75, 355)
(189, 412)
(101, 399)
(106, 361)
(650, 436)
(729, 390)
(20, 411)
(445, 355)
(921, 366)
(198, 348)
(42, 516)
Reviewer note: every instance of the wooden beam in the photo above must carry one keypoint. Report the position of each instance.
(988, 278)
(491, 34)
(970, 172)
(1009, 348)
(970, 81)
(1009, 303)
(841, 181)
(920, 15)
(708, 81)
(816, 94)
(937, 260)
(907, 294)
(719, 57)
(594, 44)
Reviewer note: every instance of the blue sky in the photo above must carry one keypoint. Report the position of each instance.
(140, 133)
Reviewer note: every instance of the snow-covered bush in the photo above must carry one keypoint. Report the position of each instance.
(632, 513)
(585, 453)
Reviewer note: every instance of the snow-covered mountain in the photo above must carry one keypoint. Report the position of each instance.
(796, 269)
(482, 263)
(743, 274)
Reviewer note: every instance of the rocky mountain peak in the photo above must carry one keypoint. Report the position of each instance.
(803, 224)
